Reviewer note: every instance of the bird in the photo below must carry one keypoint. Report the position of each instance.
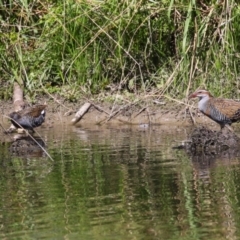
(222, 111)
(29, 118)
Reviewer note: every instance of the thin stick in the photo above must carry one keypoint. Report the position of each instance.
(140, 111)
(120, 109)
(192, 71)
(32, 138)
(113, 114)
(97, 107)
(192, 118)
(180, 102)
(40, 146)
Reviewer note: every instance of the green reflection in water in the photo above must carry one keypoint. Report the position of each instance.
(118, 184)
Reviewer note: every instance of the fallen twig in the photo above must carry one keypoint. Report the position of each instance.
(100, 109)
(139, 112)
(40, 146)
(18, 97)
(113, 114)
(192, 118)
(178, 101)
(120, 109)
(80, 113)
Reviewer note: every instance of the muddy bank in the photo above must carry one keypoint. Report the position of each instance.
(143, 113)
(169, 117)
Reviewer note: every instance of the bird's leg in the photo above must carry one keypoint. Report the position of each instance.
(25, 131)
(21, 130)
(31, 130)
(229, 128)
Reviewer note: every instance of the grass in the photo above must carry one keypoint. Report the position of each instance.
(139, 46)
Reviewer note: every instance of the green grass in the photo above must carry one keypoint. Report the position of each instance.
(84, 46)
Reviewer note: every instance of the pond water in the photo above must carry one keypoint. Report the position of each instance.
(118, 183)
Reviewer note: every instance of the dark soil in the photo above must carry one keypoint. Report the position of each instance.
(209, 141)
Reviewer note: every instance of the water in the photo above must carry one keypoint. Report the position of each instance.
(117, 183)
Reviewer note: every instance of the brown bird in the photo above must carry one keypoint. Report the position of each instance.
(29, 118)
(223, 111)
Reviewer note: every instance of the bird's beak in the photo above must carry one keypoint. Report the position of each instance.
(193, 95)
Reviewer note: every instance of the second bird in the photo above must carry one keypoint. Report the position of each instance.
(29, 118)
(223, 111)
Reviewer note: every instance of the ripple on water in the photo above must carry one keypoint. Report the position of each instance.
(118, 184)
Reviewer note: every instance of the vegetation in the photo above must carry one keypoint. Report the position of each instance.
(69, 47)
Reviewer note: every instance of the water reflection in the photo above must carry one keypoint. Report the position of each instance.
(27, 146)
(118, 183)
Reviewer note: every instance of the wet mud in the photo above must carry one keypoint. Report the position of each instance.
(207, 140)
(205, 146)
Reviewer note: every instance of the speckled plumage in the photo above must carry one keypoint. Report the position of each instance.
(222, 111)
(29, 118)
